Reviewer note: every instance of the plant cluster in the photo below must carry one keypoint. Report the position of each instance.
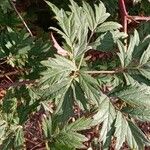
(75, 90)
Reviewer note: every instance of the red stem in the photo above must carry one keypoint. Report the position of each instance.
(125, 17)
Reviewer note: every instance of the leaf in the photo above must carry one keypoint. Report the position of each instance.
(3, 126)
(69, 137)
(121, 130)
(134, 136)
(122, 54)
(89, 15)
(100, 13)
(47, 127)
(145, 56)
(71, 140)
(79, 96)
(19, 139)
(65, 110)
(140, 113)
(58, 69)
(108, 26)
(79, 124)
(90, 86)
(7, 142)
(134, 95)
(106, 114)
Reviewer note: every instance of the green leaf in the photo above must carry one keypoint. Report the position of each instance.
(134, 95)
(79, 96)
(89, 15)
(7, 142)
(47, 127)
(65, 108)
(19, 139)
(79, 124)
(135, 137)
(58, 69)
(121, 130)
(3, 127)
(106, 114)
(145, 56)
(139, 113)
(108, 26)
(100, 13)
(122, 54)
(69, 137)
(126, 130)
(90, 86)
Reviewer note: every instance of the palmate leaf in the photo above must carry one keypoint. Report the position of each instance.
(139, 113)
(106, 115)
(128, 131)
(134, 95)
(57, 69)
(68, 136)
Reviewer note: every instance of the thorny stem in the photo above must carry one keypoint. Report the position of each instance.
(126, 18)
(21, 18)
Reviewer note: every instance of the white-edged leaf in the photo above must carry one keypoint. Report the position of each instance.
(139, 113)
(100, 13)
(134, 95)
(145, 56)
(89, 15)
(126, 130)
(79, 124)
(106, 115)
(108, 26)
(121, 130)
(90, 87)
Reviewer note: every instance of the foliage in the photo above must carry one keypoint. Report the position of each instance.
(110, 93)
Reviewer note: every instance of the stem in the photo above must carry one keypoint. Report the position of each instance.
(138, 18)
(21, 18)
(101, 72)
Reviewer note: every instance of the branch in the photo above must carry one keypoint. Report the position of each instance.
(105, 72)
(100, 72)
(126, 18)
(138, 18)
(21, 18)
